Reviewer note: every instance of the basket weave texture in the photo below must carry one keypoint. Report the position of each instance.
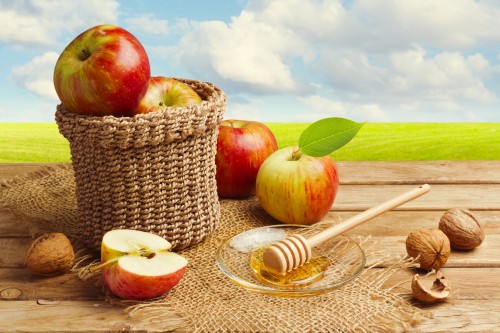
(153, 172)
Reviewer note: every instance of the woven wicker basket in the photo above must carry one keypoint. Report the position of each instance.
(152, 172)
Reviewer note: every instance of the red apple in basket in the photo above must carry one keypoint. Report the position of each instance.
(163, 91)
(103, 71)
(242, 146)
(139, 265)
(296, 188)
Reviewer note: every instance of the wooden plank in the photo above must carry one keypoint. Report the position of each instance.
(401, 223)
(390, 223)
(454, 315)
(74, 316)
(354, 198)
(464, 282)
(440, 197)
(372, 172)
(472, 196)
(432, 172)
(462, 316)
(13, 251)
(11, 226)
(19, 284)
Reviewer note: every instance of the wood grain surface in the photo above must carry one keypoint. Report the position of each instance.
(66, 304)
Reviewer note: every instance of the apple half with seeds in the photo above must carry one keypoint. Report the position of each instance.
(139, 265)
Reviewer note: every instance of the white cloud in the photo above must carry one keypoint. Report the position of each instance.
(36, 76)
(148, 24)
(41, 22)
(22, 29)
(244, 110)
(450, 24)
(448, 75)
(324, 107)
(370, 53)
(245, 52)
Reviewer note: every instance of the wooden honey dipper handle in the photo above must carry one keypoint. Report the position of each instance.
(295, 250)
(369, 214)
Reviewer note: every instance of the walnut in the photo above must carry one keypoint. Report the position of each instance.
(430, 247)
(462, 228)
(440, 289)
(49, 254)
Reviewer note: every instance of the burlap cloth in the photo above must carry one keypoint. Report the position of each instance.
(206, 300)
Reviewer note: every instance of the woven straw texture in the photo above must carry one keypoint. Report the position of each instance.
(205, 300)
(151, 172)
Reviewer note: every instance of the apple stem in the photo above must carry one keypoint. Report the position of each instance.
(95, 268)
(296, 155)
(85, 53)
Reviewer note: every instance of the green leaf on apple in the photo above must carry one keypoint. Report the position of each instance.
(327, 135)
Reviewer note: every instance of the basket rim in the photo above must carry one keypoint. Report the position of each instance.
(166, 125)
(164, 113)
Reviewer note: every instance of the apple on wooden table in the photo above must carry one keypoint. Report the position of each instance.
(104, 71)
(139, 265)
(296, 188)
(166, 92)
(242, 146)
(298, 184)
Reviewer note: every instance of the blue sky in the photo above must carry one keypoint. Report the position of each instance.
(279, 60)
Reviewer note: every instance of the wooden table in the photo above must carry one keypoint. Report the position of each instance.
(66, 304)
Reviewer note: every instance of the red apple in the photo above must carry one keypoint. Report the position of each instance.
(242, 146)
(295, 188)
(103, 71)
(139, 265)
(163, 91)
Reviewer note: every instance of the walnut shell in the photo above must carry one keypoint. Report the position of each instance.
(439, 291)
(430, 247)
(463, 229)
(49, 254)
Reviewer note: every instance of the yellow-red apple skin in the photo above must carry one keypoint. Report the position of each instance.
(104, 71)
(166, 92)
(129, 285)
(297, 191)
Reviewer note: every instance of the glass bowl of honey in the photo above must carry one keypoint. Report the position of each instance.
(332, 264)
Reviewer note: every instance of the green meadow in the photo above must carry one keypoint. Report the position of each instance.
(41, 142)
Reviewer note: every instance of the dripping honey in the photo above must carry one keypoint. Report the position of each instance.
(304, 275)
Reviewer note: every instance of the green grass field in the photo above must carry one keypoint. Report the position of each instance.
(410, 141)
(41, 142)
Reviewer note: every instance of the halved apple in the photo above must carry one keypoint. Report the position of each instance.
(139, 265)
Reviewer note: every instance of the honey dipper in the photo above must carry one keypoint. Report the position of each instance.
(295, 250)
